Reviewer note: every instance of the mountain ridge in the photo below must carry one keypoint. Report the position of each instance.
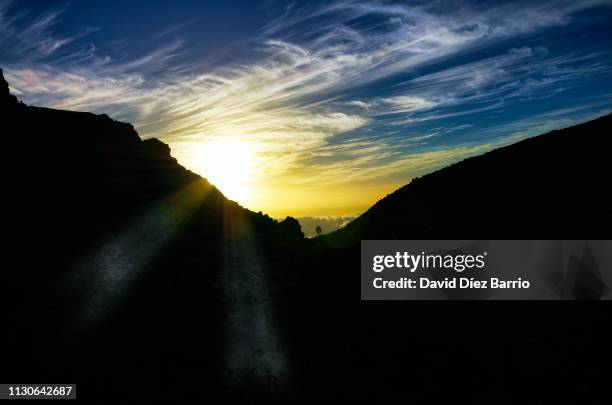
(106, 139)
(540, 168)
(126, 267)
(126, 257)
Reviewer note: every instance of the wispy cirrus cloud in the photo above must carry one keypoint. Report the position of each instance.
(316, 72)
(30, 38)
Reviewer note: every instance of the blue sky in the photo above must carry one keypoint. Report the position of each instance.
(332, 104)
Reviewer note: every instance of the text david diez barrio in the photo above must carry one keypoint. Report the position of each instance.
(458, 263)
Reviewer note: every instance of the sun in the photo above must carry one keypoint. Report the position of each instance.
(228, 165)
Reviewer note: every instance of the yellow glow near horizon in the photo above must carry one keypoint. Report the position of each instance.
(228, 165)
(260, 177)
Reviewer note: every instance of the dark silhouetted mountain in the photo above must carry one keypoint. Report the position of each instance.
(135, 278)
(7, 100)
(128, 261)
(552, 186)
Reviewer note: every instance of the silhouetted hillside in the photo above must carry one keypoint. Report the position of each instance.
(130, 264)
(552, 186)
(136, 279)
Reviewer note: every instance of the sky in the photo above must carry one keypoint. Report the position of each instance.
(310, 108)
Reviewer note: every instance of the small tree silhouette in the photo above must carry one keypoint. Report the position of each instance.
(318, 229)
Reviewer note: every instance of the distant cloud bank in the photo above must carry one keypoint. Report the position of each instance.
(327, 224)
